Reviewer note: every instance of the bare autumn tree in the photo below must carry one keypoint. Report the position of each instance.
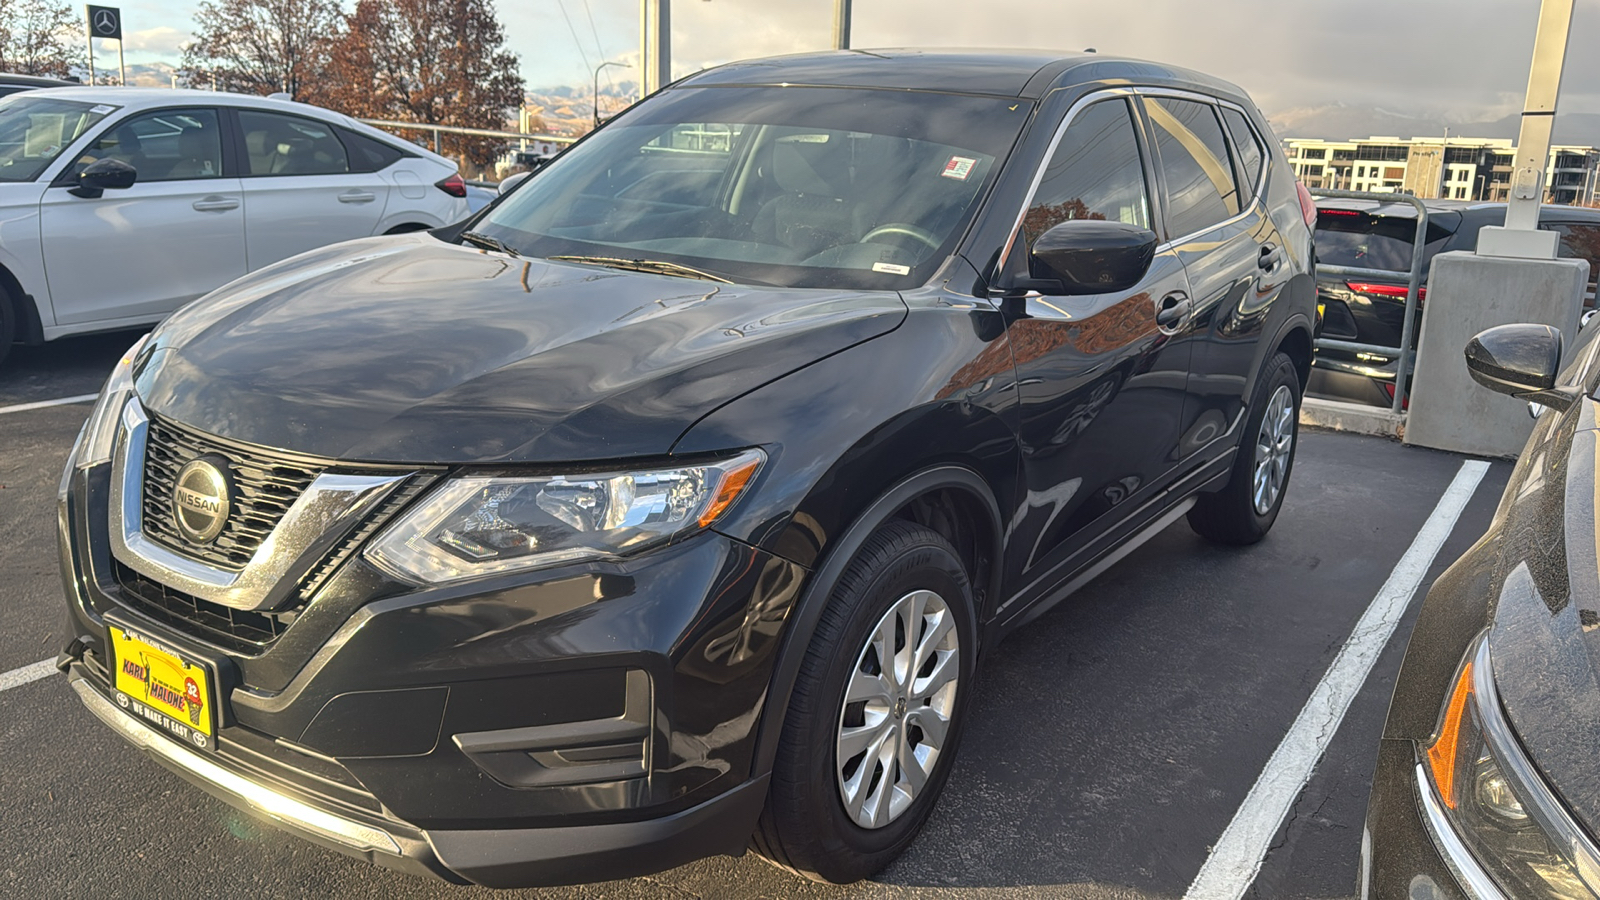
(38, 37)
(261, 46)
(439, 62)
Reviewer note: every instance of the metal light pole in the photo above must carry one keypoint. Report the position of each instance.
(841, 24)
(1520, 237)
(597, 87)
(655, 45)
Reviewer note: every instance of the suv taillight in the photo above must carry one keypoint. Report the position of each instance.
(1386, 290)
(1308, 206)
(453, 186)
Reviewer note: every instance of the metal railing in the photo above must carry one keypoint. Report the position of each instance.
(438, 130)
(1405, 354)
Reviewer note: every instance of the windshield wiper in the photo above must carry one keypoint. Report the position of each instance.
(653, 266)
(483, 240)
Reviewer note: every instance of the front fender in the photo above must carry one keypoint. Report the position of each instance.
(926, 408)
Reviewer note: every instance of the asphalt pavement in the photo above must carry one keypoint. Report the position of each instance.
(1113, 740)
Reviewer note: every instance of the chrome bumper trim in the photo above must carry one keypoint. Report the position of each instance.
(1474, 881)
(313, 524)
(264, 800)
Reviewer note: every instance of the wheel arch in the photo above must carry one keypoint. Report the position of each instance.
(1294, 341)
(951, 499)
(29, 326)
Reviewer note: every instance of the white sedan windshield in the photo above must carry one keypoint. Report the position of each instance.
(35, 128)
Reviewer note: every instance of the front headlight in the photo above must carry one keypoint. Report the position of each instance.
(476, 526)
(1497, 803)
(100, 431)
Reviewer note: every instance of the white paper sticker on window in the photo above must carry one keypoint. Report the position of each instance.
(891, 268)
(101, 110)
(959, 167)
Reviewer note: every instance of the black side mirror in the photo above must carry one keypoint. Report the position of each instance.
(104, 175)
(1089, 256)
(1520, 360)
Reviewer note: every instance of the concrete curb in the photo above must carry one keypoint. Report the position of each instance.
(1352, 417)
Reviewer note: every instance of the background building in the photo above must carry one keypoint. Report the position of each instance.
(1453, 168)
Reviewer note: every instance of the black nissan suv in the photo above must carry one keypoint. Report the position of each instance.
(666, 506)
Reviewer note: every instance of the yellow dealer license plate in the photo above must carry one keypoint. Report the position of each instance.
(163, 687)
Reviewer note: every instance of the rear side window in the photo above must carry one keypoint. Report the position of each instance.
(1094, 174)
(1194, 156)
(1250, 152)
(290, 145)
(1351, 238)
(369, 154)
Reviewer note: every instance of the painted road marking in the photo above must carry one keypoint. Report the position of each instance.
(24, 407)
(1237, 856)
(27, 674)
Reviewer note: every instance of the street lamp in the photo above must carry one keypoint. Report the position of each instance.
(597, 87)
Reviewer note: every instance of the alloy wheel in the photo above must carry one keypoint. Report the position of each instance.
(1274, 449)
(897, 708)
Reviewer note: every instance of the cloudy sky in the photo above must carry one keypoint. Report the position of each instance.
(1455, 61)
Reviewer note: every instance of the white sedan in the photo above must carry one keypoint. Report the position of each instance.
(119, 205)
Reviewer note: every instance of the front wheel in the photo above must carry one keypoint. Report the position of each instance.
(1243, 512)
(876, 712)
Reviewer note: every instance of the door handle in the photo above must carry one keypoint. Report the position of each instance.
(216, 204)
(1173, 311)
(357, 197)
(1270, 254)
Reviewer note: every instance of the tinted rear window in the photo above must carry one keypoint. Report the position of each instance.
(1372, 242)
(368, 155)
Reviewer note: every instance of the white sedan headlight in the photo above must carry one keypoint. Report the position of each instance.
(476, 526)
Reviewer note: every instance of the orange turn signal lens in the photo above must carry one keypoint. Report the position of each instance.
(733, 484)
(1442, 753)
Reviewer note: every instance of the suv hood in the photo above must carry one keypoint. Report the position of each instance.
(409, 349)
(1545, 642)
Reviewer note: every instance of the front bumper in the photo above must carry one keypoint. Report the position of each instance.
(583, 723)
(497, 858)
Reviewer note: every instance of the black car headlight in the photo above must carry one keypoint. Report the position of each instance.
(1496, 802)
(474, 526)
(100, 431)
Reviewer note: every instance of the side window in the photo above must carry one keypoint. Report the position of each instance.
(169, 145)
(369, 154)
(1579, 241)
(1094, 174)
(1250, 153)
(290, 145)
(1194, 157)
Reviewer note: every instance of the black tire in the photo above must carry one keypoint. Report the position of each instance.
(8, 324)
(1230, 516)
(805, 826)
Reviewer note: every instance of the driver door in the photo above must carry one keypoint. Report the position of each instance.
(141, 252)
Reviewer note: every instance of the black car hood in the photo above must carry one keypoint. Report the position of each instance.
(1545, 642)
(410, 349)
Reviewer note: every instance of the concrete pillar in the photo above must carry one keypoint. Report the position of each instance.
(1466, 294)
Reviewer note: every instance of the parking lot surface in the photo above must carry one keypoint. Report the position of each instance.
(1112, 740)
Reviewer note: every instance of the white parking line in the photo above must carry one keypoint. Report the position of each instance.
(24, 407)
(27, 674)
(1237, 856)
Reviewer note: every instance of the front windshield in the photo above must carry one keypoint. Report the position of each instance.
(35, 128)
(790, 186)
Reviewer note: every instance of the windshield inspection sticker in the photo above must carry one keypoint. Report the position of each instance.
(101, 110)
(959, 167)
(891, 268)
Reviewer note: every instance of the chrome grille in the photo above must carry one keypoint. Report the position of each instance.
(264, 488)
